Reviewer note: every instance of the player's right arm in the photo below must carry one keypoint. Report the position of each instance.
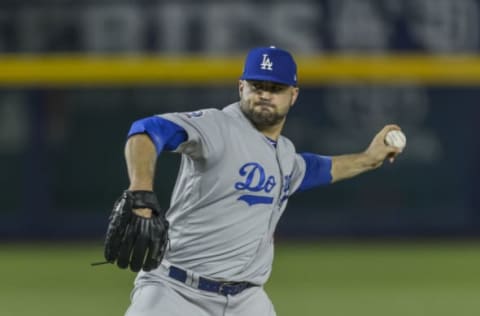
(147, 138)
(137, 233)
(141, 157)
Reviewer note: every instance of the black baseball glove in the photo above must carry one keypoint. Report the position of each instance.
(136, 241)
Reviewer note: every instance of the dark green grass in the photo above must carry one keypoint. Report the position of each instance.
(383, 279)
(308, 279)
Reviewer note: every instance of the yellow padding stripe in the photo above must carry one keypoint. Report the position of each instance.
(80, 70)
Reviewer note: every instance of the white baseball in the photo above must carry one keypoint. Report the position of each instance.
(396, 138)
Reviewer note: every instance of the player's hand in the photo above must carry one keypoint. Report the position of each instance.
(378, 150)
(137, 234)
(143, 212)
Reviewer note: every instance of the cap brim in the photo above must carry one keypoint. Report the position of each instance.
(268, 78)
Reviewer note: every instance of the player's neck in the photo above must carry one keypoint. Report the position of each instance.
(272, 132)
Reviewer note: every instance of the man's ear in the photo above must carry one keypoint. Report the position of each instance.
(241, 85)
(295, 92)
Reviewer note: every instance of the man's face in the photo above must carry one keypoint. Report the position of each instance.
(266, 103)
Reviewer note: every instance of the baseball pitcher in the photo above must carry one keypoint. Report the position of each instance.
(211, 252)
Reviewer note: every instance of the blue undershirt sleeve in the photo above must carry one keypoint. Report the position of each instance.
(165, 134)
(317, 171)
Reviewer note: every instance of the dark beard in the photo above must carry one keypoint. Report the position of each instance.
(262, 119)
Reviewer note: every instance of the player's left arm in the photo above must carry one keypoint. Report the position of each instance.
(348, 166)
(322, 170)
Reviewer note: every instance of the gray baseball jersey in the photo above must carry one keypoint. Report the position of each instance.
(232, 187)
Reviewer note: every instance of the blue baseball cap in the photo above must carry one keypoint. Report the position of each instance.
(270, 64)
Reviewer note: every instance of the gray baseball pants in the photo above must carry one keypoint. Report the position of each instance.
(169, 297)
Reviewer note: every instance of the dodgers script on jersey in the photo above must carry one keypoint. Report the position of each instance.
(232, 187)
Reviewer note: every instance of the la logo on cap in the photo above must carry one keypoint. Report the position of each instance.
(266, 63)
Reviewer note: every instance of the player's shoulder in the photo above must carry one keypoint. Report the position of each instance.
(227, 115)
(201, 114)
(234, 114)
(207, 113)
(287, 143)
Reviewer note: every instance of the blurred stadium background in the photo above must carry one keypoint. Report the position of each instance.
(400, 241)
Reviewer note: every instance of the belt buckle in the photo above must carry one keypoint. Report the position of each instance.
(222, 286)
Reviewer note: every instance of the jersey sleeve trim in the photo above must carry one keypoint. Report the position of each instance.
(317, 172)
(165, 134)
